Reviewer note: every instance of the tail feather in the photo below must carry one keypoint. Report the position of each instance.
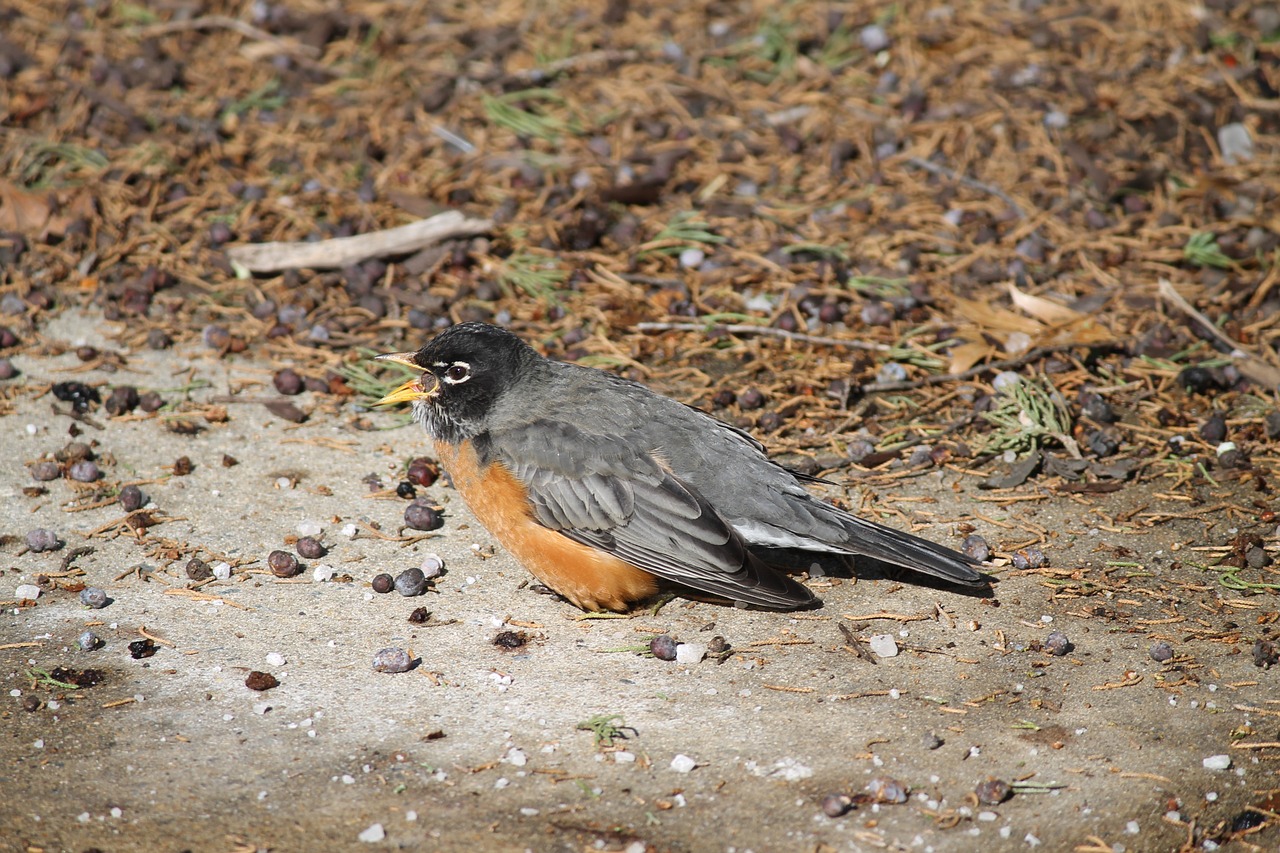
(868, 539)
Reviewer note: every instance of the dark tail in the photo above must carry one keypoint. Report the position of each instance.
(868, 539)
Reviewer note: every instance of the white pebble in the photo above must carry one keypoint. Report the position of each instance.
(309, 528)
(884, 645)
(515, 755)
(1132, 827)
(1217, 762)
(275, 659)
(623, 757)
(373, 834)
(350, 531)
(116, 812)
(987, 816)
(692, 258)
(683, 764)
(1236, 143)
(411, 815)
(690, 652)
(323, 573)
(221, 570)
(529, 811)
(261, 708)
(28, 591)
(502, 783)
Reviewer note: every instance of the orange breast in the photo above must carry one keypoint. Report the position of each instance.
(591, 579)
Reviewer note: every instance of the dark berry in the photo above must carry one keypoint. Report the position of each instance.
(422, 472)
(131, 498)
(1057, 644)
(283, 564)
(383, 583)
(288, 382)
(123, 398)
(45, 471)
(420, 515)
(751, 399)
(198, 569)
(663, 647)
(140, 649)
(309, 548)
(93, 597)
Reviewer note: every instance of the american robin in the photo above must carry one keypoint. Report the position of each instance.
(600, 487)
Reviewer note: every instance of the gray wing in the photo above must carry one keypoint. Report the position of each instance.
(604, 493)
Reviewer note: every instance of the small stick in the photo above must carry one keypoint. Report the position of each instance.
(951, 174)
(768, 331)
(343, 251)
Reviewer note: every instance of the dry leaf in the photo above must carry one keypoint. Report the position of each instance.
(1044, 310)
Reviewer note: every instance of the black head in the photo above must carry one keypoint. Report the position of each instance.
(467, 368)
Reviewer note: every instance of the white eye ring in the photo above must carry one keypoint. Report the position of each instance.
(457, 373)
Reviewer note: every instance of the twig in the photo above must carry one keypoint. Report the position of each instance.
(1254, 368)
(305, 55)
(768, 331)
(572, 63)
(951, 174)
(343, 251)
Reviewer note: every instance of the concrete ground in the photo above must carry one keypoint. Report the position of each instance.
(483, 747)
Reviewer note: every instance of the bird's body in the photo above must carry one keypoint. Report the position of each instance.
(600, 486)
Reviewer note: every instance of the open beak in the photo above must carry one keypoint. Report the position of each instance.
(418, 388)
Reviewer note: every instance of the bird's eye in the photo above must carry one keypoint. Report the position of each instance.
(457, 372)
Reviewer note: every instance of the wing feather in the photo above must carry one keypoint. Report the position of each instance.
(604, 494)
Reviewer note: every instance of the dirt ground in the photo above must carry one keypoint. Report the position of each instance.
(845, 227)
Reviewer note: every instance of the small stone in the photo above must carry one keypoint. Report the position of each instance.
(93, 597)
(835, 805)
(1217, 762)
(1161, 652)
(372, 834)
(131, 498)
(1030, 557)
(886, 789)
(42, 539)
(323, 573)
(421, 515)
(309, 548)
(931, 741)
(432, 566)
(27, 592)
(392, 660)
(692, 258)
(1057, 644)
(1236, 143)
(84, 471)
(411, 582)
(88, 641)
(751, 399)
(664, 647)
(873, 38)
(690, 653)
(976, 548)
(45, 471)
(222, 570)
(883, 645)
(683, 764)
(283, 564)
(992, 792)
(260, 681)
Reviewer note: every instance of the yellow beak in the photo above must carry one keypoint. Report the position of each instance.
(414, 389)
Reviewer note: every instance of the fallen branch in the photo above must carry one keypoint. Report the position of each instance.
(343, 251)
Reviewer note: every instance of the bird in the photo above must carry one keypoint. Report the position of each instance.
(609, 492)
